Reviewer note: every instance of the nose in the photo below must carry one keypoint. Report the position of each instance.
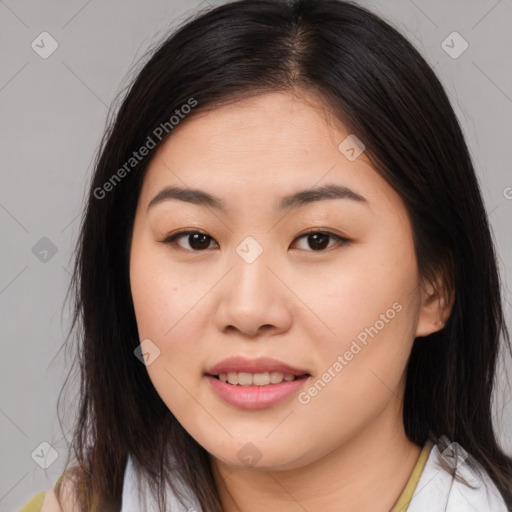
(254, 299)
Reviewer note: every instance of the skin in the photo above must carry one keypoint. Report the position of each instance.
(345, 450)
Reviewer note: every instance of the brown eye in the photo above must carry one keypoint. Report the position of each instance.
(319, 240)
(197, 241)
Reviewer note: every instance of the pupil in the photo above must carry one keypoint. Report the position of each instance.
(318, 236)
(196, 239)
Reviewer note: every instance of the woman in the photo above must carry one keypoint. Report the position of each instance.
(286, 287)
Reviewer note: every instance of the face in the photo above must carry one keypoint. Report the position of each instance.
(321, 286)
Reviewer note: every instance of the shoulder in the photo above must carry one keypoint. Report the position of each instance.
(47, 501)
(34, 504)
(449, 482)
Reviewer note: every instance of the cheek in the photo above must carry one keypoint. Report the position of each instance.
(365, 288)
(361, 367)
(168, 313)
(150, 299)
(370, 303)
(170, 307)
(161, 293)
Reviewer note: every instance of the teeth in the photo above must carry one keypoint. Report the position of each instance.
(255, 379)
(276, 377)
(261, 379)
(232, 378)
(244, 379)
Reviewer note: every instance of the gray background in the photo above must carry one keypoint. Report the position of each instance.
(53, 114)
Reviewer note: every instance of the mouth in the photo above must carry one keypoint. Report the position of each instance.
(257, 379)
(255, 383)
(260, 371)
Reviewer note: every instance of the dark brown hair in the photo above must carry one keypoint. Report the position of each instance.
(380, 87)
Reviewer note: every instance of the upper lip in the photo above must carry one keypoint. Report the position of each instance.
(259, 365)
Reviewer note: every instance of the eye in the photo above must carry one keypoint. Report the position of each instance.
(319, 240)
(197, 240)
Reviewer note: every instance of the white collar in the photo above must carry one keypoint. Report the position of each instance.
(437, 490)
(135, 501)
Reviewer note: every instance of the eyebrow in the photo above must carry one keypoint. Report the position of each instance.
(292, 201)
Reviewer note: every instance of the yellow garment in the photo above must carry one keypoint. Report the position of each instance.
(35, 504)
(405, 498)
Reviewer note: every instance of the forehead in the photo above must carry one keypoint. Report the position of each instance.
(264, 147)
(271, 119)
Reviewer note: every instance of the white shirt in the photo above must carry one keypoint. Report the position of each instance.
(437, 490)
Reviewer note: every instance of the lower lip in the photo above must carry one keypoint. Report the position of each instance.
(255, 397)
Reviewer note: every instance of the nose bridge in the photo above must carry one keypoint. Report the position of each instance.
(254, 297)
(251, 274)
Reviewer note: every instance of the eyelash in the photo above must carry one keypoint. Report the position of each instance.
(171, 240)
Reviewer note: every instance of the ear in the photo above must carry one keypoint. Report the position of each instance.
(436, 305)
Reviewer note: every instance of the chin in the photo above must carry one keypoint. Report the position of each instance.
(261, 455)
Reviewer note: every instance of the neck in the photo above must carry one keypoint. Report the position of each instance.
(367, 472)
